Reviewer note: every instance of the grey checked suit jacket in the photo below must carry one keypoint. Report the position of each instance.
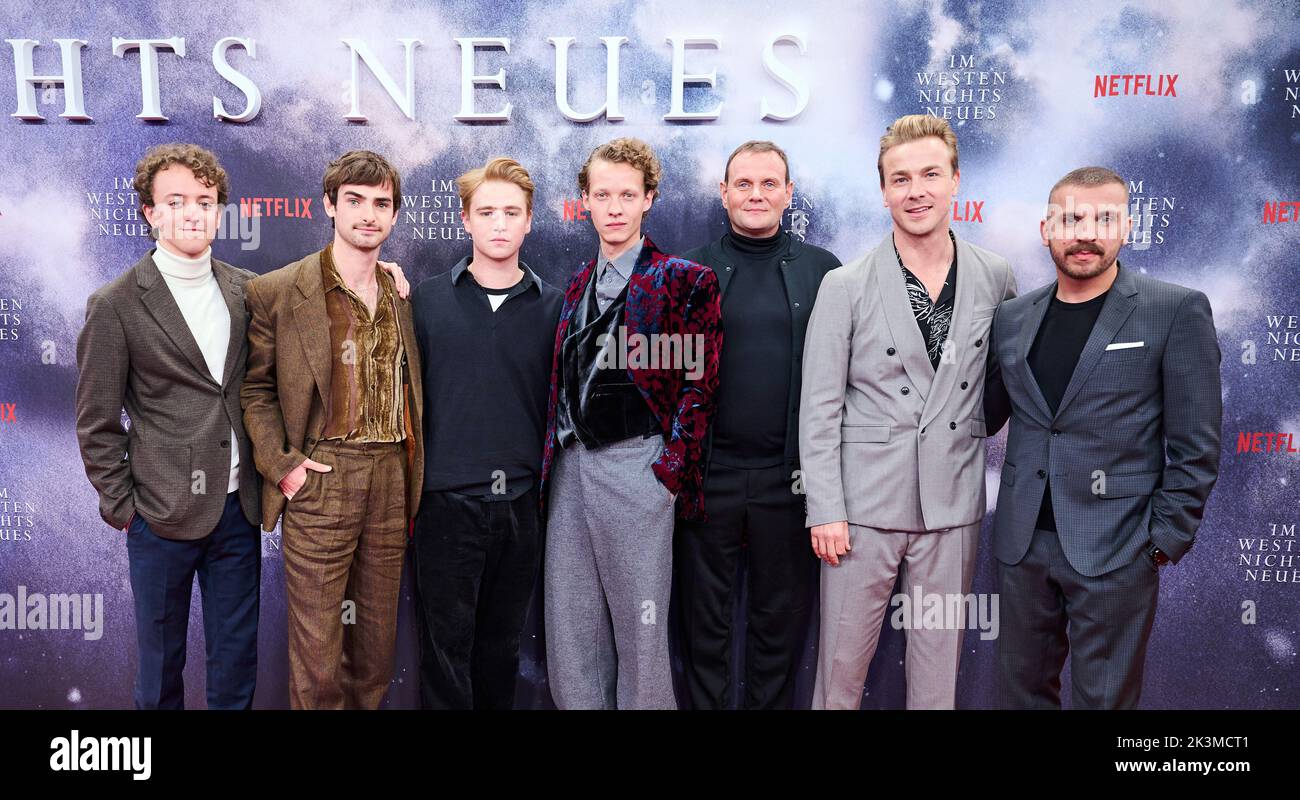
(1133, 449)
(136, 351)
(885, 440)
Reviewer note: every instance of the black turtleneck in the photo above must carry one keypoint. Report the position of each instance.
(754, 373)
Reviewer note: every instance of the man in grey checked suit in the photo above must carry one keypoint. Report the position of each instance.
(891, 431)
(1111, 381)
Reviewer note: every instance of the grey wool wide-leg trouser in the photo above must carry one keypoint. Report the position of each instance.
(608, 578)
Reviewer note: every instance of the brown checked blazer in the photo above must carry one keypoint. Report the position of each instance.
(289, 375)
(172, 464)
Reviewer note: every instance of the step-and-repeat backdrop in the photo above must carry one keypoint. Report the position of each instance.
(1194, 103)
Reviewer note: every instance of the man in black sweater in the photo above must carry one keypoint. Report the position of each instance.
(768, 280)
(486, 330)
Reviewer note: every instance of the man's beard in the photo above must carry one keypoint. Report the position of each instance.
(1080, 273)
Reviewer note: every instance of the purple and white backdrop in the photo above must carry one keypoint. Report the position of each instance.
(1194, 102)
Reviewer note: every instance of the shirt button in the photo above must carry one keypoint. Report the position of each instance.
(225, 442)
(979, 342)
(952, 426)
(964, 384)
(1055, 432)
(906, 390)
(796, 305)
(1042, 474)
(923, 431)
(890, 351)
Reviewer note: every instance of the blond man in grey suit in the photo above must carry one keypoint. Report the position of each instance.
(891, 427)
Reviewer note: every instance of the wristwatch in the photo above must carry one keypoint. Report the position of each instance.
(1157, 555)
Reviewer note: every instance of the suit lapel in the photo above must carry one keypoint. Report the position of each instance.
(958, 330)
(233, 293)
(898, 315)
(406, 321)
(722, 267)
(311, 319)
(157, 298)
(1114, 313)
(642, 291)
(573, 295)
(1028, 332)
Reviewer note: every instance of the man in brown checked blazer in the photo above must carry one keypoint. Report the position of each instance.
(165, 341)
(332, 402)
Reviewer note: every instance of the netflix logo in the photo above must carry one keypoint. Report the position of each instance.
(1266, 442)
(1281, 211)
(575, 211)
(1150, 85)
(275, 207)
(969, 211)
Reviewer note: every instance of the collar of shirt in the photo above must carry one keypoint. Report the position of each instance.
(331, 279)
(624, 264)
(528, 281)
(186, 270)
(948, 292)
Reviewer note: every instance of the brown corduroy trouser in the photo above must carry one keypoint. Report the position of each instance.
(344, 538)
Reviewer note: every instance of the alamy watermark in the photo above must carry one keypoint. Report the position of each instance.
(675, 351)
(34, 611)
(933, 611)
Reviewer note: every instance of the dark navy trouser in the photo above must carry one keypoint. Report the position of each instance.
(229, 565)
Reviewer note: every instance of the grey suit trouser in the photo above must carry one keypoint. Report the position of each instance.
(608, 578)
(856, 595)
(1109, 618)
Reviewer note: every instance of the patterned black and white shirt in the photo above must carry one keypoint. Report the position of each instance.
(932, 317)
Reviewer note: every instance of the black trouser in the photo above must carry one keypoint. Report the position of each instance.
(1108, 617)
(475, 563)
(757, 510)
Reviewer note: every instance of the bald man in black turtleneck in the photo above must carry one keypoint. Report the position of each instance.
(769, 280)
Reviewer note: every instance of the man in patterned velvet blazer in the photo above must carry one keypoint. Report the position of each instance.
(632, 385)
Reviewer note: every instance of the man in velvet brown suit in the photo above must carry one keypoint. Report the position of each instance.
(332, 403)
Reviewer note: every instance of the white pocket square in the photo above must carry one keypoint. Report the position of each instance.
(1124, 345)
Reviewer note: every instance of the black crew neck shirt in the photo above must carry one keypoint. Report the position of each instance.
(1053, 357)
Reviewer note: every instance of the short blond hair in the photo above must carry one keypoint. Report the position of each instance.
(626, 150)
(912, 127)
(496, 169)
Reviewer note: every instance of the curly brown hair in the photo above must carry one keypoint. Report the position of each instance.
(627, 150)
(201, 161)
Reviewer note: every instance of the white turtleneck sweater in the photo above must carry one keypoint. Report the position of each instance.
(195, 290)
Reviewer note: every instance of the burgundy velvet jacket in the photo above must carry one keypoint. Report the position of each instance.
(665, 295)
